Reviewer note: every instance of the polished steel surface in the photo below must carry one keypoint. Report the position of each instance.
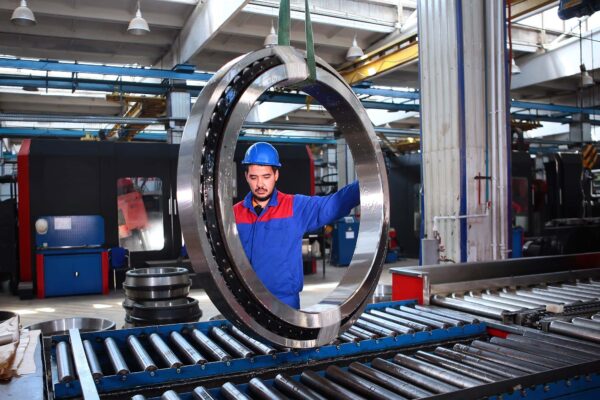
(324, 386)
(164, 351)
(116, 358)
(141, 355)
(375, 328)
(201, 393)
(433, 316)
(230, 392)
(513, 302)
(61, 326)
(444, 312)
(402, 321)
(210, 347)
(64, 365)
(359, 385)
(479, 363)
(82, 369)
(156, 284)
(231, 345)
(5, 338)
(261, 391)
(185, 348)
(92, 359)
(582, 356)
(436, 372)
(521, 355)
(387, 324)
(561, 357)
(462, 305)
(588, 323)
(258, 346)
(349, 338)
(492, 303)
(136, 293)
(564, 341)
(417, 318)
(500, 358)
(409, 375)
(205, 198)
(452, 365)
(170, 395)
(295, 389)
(569, 329)
(389, 382)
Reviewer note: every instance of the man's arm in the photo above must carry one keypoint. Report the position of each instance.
(316, 211)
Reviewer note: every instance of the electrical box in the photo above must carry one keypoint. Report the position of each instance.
(345, 233)
(70, 257)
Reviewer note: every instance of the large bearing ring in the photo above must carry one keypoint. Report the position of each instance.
(205, 199)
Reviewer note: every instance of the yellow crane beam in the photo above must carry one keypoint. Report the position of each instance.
(406, 50)
(139, 107)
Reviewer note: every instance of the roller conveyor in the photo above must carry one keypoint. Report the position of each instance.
(421, 374)
(151, 356)
(529, 305)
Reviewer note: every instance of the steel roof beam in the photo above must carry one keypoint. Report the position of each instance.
(207, 19)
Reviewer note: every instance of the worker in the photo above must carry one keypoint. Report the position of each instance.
(271, 224)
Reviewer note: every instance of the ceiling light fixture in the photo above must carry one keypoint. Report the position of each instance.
(23, 16)
(354, 51)
(271, 39)
(138, 25)
(586, 79)
(515, 69)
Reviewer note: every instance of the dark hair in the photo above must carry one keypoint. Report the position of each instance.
(275, 169)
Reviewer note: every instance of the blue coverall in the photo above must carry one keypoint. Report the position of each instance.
(273, 240)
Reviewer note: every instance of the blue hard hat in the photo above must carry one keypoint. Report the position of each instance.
(261, 153)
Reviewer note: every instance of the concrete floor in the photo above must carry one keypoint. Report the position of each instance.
(32, 311)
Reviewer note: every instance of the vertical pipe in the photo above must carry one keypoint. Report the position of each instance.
(503, 164)
(493, 132)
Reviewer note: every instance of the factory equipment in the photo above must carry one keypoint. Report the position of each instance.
(130, 185)
(143, 360)
(205, 195)
(343, 240)
(159, 296)
(70, 257)
(73, 178)
(395, 350)
(511, 366)
(530, 292)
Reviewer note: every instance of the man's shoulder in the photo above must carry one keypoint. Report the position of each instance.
(242, 214)
(239, 206)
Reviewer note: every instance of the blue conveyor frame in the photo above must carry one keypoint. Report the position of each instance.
(114, 383)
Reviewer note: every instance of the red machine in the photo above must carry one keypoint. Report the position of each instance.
(132, 212)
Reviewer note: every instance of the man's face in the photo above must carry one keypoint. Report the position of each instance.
(261, 179)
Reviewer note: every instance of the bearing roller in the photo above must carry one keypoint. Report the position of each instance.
(204, 194)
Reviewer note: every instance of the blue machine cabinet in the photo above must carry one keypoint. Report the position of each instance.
(345, 232)
(70, 259)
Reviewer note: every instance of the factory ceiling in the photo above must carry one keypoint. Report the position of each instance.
(207, 34)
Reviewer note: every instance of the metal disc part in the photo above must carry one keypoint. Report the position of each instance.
(205, 199)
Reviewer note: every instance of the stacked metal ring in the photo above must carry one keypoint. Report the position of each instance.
(158, 296)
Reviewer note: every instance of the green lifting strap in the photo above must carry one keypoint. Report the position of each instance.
(283, 37)
(283, 34)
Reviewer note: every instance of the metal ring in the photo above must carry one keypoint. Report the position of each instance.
(205, 199)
